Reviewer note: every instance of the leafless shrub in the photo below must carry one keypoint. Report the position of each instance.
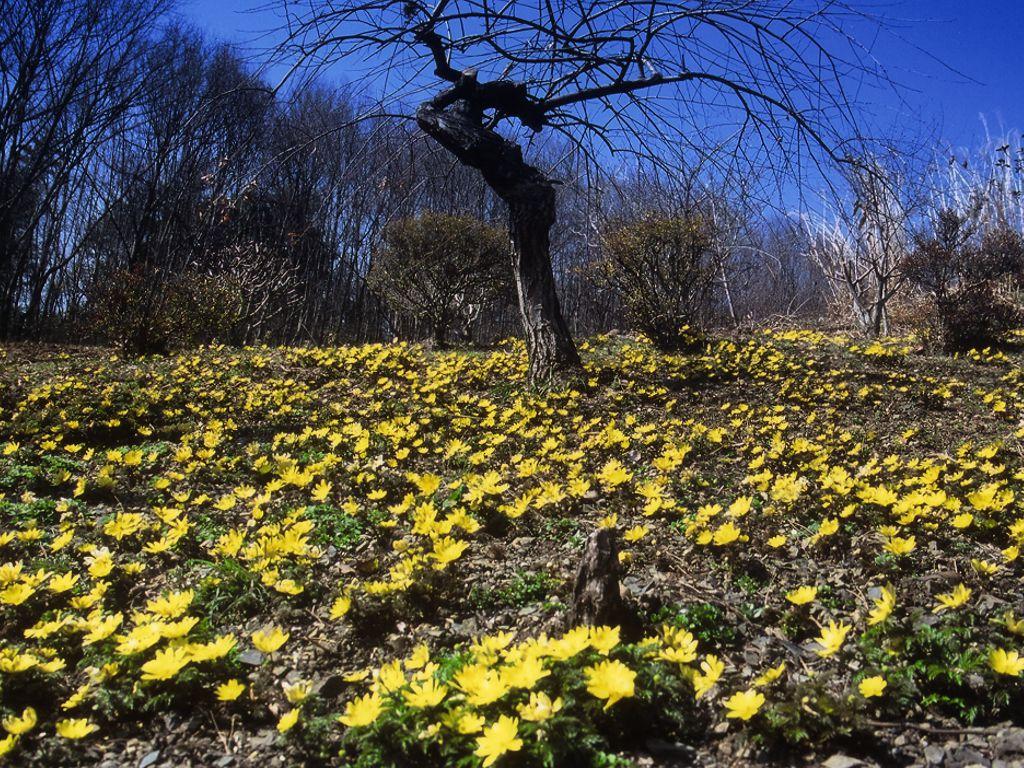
(267, 286)
(860, 247)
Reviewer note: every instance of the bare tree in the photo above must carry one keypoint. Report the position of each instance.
(67, 74)
(986, 185)
(599, 73)
(860, 247)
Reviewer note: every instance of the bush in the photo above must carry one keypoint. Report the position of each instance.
(663, 269)
(970, 277)
(441, 270)
(539, 689)
(141, 313)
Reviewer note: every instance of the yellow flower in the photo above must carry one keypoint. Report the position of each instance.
(711, 669)
(883, 606)
(166, 663)
(297, 692)
(952, 600)
(802, 595)
(362, 711)
(725, 534)
(636, 533)
(828, 527)
(481, 685)
(288, 587)
(172, 605)
(497, 739)
(7, 744)
(525, 673)
(613, 474)
(900, 546)
(469, 722)
(426, 694)
(63, 582)
(611, 681)
(744, 704)
(872, 686)
(23, 723)
(340, 607)
(16, 594)
(770, 675)
(680, 647)
(390, 676)
(217, 648)
(288, 720)
(963, 520)
(740, 506)
(777, 541)
(321, 491)
(419, 657)
(539, 708)
(230, 690)
(983, 567)
(604, 639)
(1013, 625)
(75, 728)
(832, 638)
(1006, 662)
(269, 639)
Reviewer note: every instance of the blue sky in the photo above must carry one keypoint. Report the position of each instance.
(977, 70)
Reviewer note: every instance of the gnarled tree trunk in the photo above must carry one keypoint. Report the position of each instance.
(455, 120)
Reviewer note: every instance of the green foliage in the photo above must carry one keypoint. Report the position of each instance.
(228, 589)
(807, 713)
(938, 666)
(523, 589)
(335, 527)
(706, 621)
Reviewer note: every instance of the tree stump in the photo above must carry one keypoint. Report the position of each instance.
(597, 598)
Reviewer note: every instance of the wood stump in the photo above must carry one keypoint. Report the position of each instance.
(597, 598)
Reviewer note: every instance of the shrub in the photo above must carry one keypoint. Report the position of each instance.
(441, 270)
(141, 313)
(663, 269)
(970, 276)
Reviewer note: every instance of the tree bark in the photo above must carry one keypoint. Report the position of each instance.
(596, 596)
(455, 121)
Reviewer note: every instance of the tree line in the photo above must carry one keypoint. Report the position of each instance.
(157, 189)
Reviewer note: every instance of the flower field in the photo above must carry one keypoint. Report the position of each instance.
(365, 555)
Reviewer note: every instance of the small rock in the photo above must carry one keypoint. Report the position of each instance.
(252, 657)
(149, 759)
(840, 760)
(934, 754)
(332, 687)
(1008, 743)
(673, 749)
(967, 757)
